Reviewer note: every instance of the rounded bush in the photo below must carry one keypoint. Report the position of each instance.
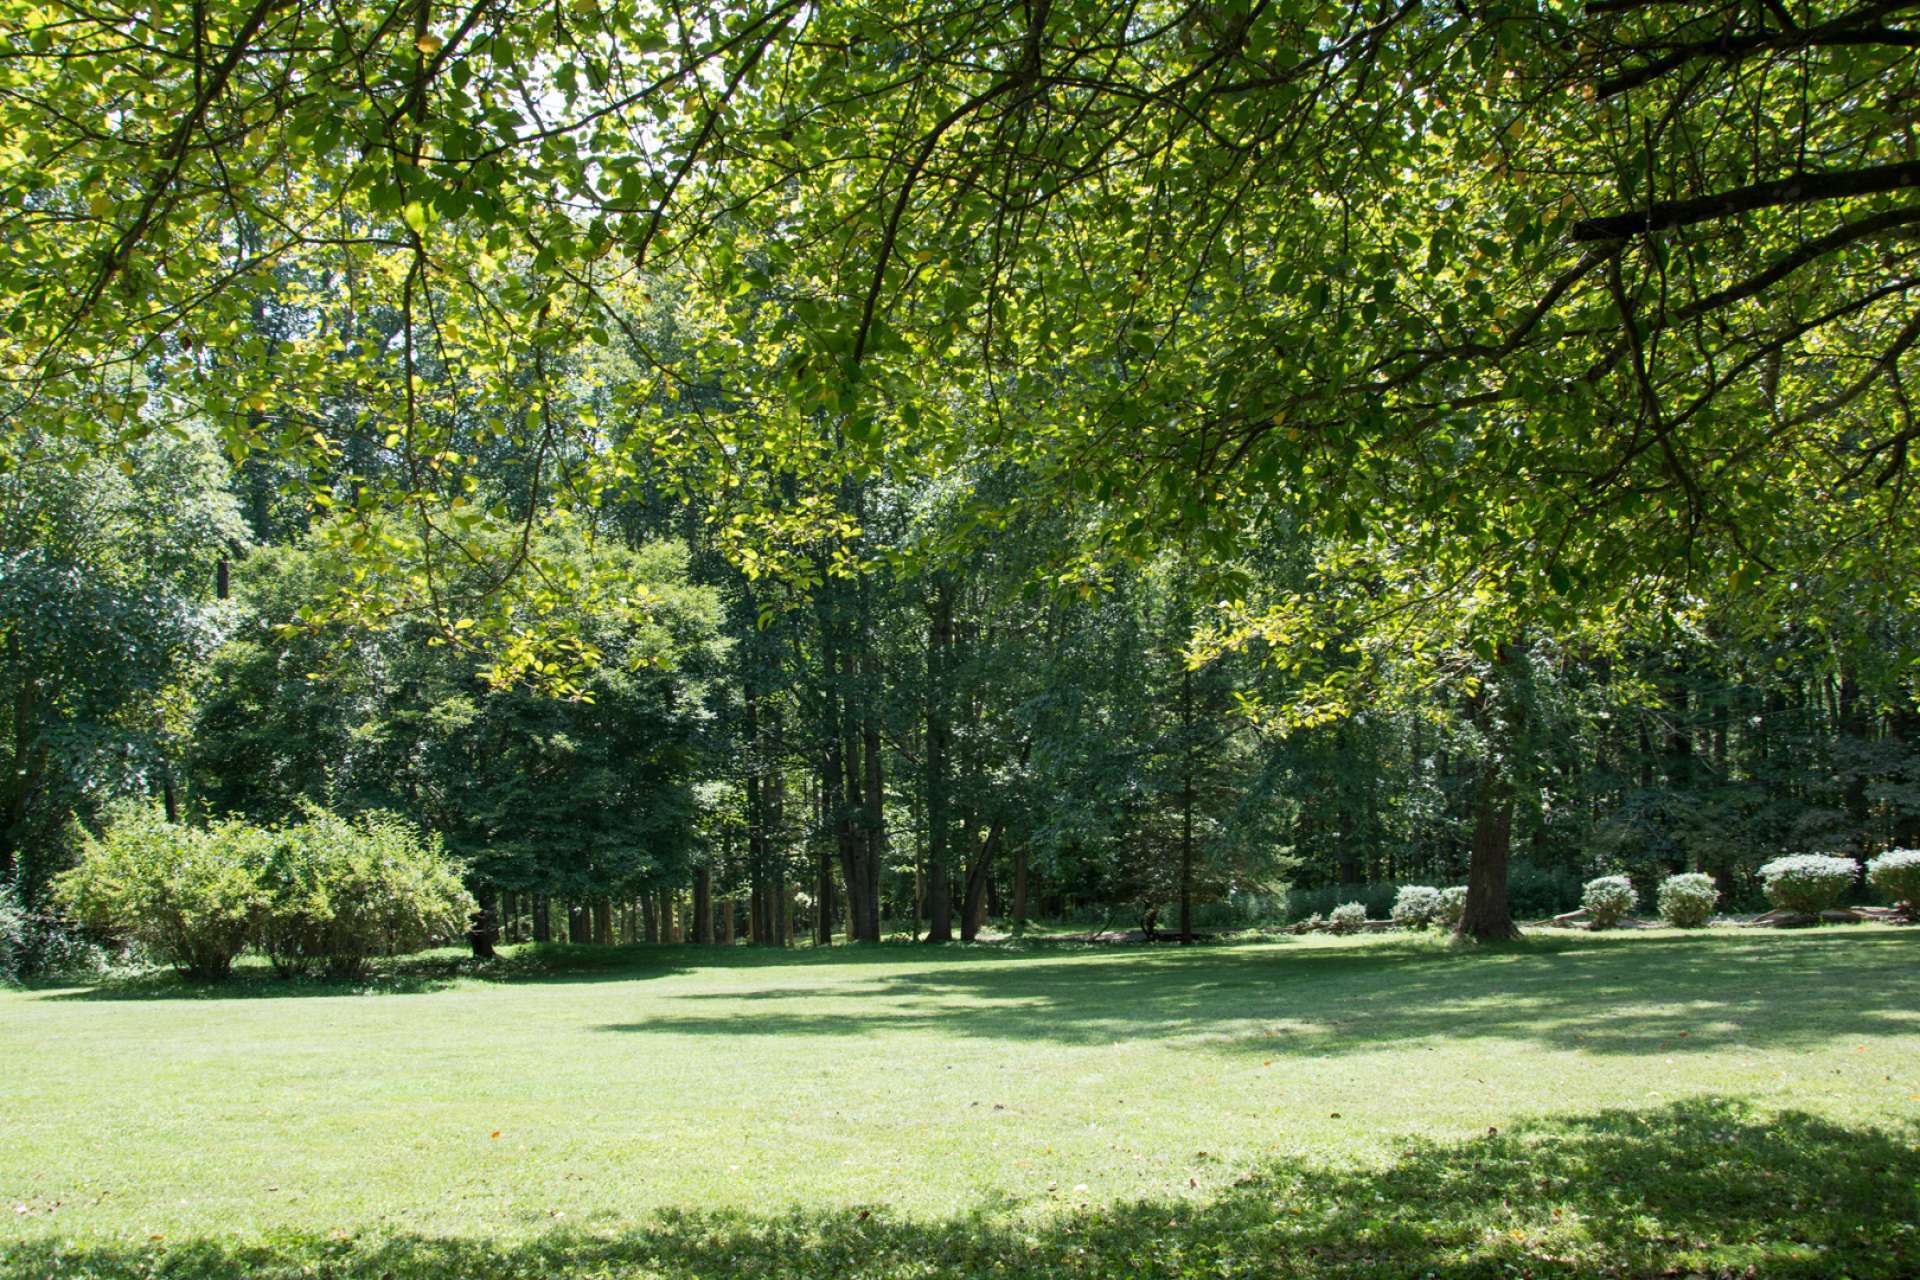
(1609, 900)
(1416, 906)
(1453, 905)
(189, 895)
(1687, 900)
(1895, 875)
(1807, 882)
(340, 892)
(1348, 916)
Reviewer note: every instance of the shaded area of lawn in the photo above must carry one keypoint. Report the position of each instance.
(1702, 1187)
(1619, 995)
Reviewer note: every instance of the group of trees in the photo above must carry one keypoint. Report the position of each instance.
(903, 458)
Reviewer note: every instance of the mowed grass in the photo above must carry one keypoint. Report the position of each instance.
(1639, 1104)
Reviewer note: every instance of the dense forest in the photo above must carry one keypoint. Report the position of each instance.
(782, 471)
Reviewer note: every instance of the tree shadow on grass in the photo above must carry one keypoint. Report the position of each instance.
(1705, 1187)
(1622, 995)
(254, 979)
(528, 962)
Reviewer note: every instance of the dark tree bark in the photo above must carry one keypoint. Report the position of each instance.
(939, 735)
(484, 929)
(1020, 889)
(542, 918)
(1186, 804)
(1488, 916)
(703, 905)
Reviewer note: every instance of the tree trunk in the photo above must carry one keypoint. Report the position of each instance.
(1186, 805)
(939, 646)
(703, 906)
(1488, 916)
(1020, 889)
(973, 909)
(542, 918)
(484, 930)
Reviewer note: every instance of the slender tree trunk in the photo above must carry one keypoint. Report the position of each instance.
(703, 905)
(484, 929)
(939, 732)
(1020, 889)
(1186, 805)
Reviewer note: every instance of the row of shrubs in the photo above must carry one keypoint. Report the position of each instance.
(1533, 891)
(1805, 883)
(325, 893)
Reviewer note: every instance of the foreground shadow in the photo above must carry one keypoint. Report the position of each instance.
(1700, 1188)
(1618, 995)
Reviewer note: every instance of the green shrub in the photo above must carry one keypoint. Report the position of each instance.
(1609, 900)
(1807, 882)
(1895, 875)
(1687, 900)
(188, 895)
(1348, 916)
(1415, 906)
(13, 934)
(1534, 891)
(1453, 905)
(340, 892)
(1377, 898)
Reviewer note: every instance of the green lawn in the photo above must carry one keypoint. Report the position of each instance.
(1639, 1104)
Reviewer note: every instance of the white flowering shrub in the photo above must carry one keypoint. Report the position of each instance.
(1687, 900)
(1348, 917)
(1453, 905)
(1609, 900)
(1807, 882)
(1416, 906)
(1895, 876)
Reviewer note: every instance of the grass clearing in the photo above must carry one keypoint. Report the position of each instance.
(1364, 1106)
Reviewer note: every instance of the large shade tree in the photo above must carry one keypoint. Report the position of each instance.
(1518, 312)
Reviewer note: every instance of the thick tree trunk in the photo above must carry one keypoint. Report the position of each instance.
(1488, 916)
(542, 918)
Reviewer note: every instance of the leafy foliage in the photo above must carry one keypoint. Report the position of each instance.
(13, 934)
(1348, 917)
(338, 892)
(190, 895)
(1808, 882)
(1687, 900)
(1416, 906)
(1609, 900)
(1896, 875)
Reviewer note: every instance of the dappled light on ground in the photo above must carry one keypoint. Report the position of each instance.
(1704, 1187)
